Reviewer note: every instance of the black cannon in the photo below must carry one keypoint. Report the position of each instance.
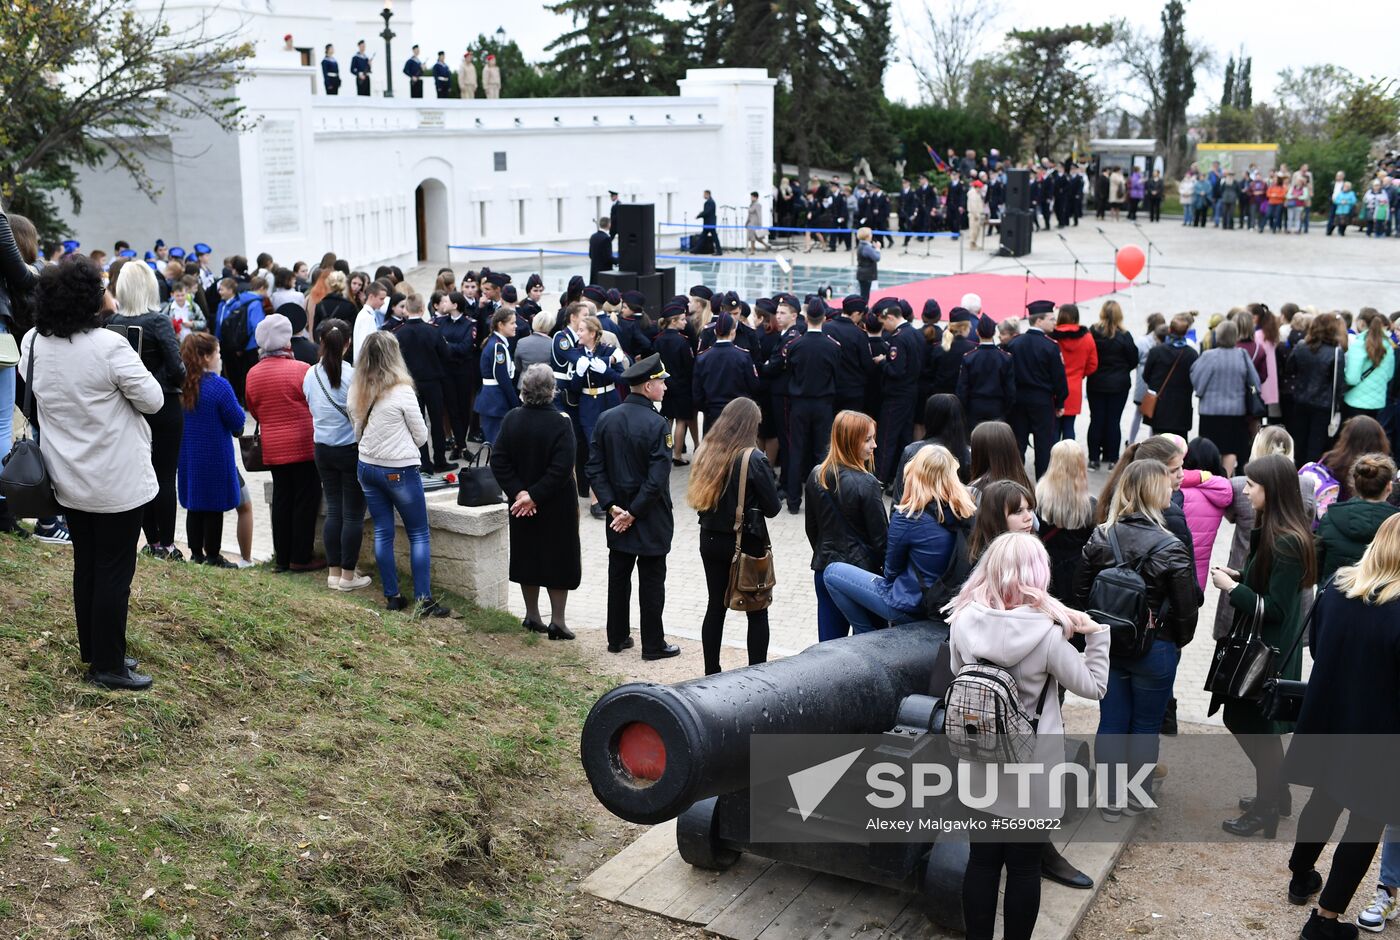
(655, 752)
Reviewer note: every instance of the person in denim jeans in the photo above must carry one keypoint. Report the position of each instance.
(1131, 713)
(918, 550)
(389, 424)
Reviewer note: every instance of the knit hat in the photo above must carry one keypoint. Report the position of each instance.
(273, 334)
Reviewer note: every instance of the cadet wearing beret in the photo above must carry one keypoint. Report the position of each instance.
(629, 469)
(987, 382)
(900, 372)
(723, 372)
(812, 361)
(1041, 386)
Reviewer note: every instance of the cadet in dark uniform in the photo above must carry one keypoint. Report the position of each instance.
(413, 68)
(442, 76)
(775, 371)
(723, 372)
(987, 382)
(745, 336)
(429, 361)
(812, 361)
(597, 370)
(632, 326)
(879, 346)
(1041, 387)
(359, 67)
(330, 71)
(630, 470)
(498, 394)
(459, 332)
(600, 256)
(899, 375)
(855, 356)
(678, 358)
(563, 352)
(954, 347)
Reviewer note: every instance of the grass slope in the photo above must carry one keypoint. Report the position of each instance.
(306, 765)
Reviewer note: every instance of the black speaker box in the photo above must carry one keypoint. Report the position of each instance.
(658, 287)
(1018, 189)
(636, 237)
(1016, 226)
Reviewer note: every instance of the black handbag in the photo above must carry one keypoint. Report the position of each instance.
(1282, 699)
(1253, 401)
(24, 477)
(251, 446)
(1242, 661)
(476, 482)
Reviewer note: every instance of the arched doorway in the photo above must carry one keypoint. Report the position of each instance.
(430, 214)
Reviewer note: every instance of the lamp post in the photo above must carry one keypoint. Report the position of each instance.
(500, 37)
(388, 35)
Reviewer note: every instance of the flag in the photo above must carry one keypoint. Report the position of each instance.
(937, 160)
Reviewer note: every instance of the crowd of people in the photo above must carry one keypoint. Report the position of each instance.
(145, 375)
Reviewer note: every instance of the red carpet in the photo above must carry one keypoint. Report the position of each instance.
(1003, 295)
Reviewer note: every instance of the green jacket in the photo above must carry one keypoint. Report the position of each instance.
(1368, 392)
(1344, 533)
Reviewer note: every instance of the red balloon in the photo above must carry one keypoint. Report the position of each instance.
(1130, 260)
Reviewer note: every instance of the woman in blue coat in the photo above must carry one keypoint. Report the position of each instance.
(596, 372)
(207, 477)
(498, 395)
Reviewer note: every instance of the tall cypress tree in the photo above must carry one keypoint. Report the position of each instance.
(1177, 79)
(1227, 95)
(615, 48)
(1244, 89)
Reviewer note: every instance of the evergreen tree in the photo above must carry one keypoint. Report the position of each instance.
(1227, 96)
(1244, 91)
(1125, 129)
(615, 48)
(1177, 80)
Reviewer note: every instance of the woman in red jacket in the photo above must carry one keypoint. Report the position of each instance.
(276, 401)
(1081, 358)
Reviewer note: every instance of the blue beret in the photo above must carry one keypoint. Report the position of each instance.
(202, 248)
(70, 245)
(126, 253)
(788, 299)
(150, 255)
(151, 263)
(177, 252)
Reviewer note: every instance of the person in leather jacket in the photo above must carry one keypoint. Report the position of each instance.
(18, 278)
(846, 518)
(1139, 689)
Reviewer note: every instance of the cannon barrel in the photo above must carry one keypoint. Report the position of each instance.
(650, 751)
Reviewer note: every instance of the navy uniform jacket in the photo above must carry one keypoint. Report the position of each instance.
(629, 466)
(600, 251)
(591, 378)
(879, 214)
(563, 353)
(855, 357)
(908, 206)
(1040, 372)
(987, 383)
(679, 360)
(775, 367)
(945, 376)
(330, 74)
(813, 360)
(633, 338)
(745, 337)
(707, 213)
(442, 78)
(413, 68)
(903, 363)
(359, 65)
(497, 394)
(723, 373)
(424, 351)
(460, 337)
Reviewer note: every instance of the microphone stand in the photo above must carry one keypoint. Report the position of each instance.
(1026, 293)
(1115, 256)
(1077, 265)
(1150, 245)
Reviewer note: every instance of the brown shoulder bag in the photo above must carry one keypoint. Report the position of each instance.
(751, 577)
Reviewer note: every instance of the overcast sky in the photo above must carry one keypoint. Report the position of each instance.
(1291, 35)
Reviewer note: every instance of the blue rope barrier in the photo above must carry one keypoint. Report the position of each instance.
(823, 231)
(527, 251)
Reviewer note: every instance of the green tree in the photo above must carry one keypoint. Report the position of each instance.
(916, 125)
(1164, 73)
(1349, 153)
(519, 79)
(1043, 83)
(1227, 94)
(1244, 86)
(1310, 97)
(613, 48)
(86, 81)
(1371, 110)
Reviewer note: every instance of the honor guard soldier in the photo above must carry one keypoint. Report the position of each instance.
(359, 67)
(498, 394)
(413, 68)
(855, 354)
(1041, 387)
(442, 76)
(899, 375)
(812, 361)
(330, 71)
(987, 382)
(632, 326)
(723, 372)
(466, 76)
(630, 470)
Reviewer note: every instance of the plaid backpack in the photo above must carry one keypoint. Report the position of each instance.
(984, 719)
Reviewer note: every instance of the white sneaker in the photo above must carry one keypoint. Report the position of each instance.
(333, 581)
(243, 563)
(353, 584)
(1386, 907)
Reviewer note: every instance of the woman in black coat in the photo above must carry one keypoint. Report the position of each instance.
(1316, 372)
(1110, 384)
(1354, 689)
(1168, 373)
(533, 460)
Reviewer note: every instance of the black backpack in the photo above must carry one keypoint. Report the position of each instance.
(233, 332)
(1118, 599)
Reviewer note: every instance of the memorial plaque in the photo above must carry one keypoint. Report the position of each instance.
(279, 154)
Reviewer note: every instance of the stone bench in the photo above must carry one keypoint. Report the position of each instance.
(471, 547)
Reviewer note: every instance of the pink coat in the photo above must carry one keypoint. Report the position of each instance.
(1205, 497)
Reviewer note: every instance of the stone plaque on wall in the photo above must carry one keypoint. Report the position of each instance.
(279, 157)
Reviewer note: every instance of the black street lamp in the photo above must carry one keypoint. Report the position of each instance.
(388, 34)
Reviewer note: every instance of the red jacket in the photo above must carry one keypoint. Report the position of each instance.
(276, 400)
(1081, 358)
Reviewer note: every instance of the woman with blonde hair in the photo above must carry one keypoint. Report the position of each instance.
(389, 426)
(1005, 615)
(845, 513)
(1066, 510)
(729, 448)
(1353, 690)
(335, 305)
(922, 540)
(1139, 687)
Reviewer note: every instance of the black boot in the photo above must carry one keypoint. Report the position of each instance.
(1262, 819)
(1328, 928)
(1057, 868)
(1303, 885)
(1169, 719)
(1285, 805)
